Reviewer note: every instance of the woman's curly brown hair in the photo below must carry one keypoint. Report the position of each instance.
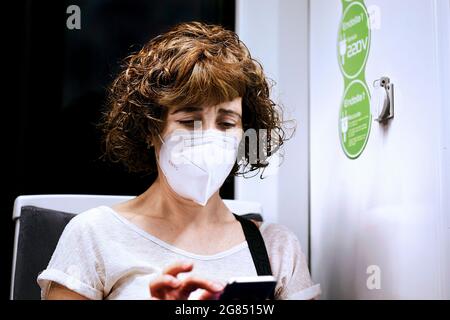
(192, 64)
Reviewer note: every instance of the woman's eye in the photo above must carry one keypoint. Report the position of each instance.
(227, 124)
(190, 123)
(187, 123)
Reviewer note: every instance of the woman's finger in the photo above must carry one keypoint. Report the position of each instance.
(161, 284)
(193, 283)
(208, 295)
(178, 267)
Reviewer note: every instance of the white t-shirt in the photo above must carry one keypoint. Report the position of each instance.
(102, 255)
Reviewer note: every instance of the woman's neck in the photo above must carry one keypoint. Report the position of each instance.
(161, 201)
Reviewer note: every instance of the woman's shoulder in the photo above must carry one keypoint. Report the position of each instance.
(276, 236)
(276, 230)
(91, 220)
(92, 228)
(289, 263)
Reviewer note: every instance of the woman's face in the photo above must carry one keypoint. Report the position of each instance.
(226, 116)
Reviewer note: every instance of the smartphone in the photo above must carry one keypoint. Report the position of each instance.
(249, 288)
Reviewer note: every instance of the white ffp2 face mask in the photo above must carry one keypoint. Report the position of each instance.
(196, 163)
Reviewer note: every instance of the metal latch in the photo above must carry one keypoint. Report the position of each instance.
(386, 107)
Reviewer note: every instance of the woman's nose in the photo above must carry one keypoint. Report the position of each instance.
(208, 125)
(209, 120)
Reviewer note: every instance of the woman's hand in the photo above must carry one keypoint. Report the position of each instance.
(168, 287)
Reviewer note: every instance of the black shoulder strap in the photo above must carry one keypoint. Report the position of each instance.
(256, 245)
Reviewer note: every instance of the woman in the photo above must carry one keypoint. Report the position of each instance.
(181, 106)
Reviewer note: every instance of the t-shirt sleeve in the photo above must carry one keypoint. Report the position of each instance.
(76, 262)
(289, 265)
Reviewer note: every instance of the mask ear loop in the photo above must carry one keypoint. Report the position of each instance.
(156, 154)
(161, 139)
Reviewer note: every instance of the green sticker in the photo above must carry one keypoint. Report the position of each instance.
(354, 39)
(353, 51)
(355, 119)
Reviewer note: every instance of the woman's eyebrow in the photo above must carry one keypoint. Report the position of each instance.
(229, 111)
(187, 109)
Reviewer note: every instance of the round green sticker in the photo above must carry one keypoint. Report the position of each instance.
(353, 51)
(354, 39)
(355, 119)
